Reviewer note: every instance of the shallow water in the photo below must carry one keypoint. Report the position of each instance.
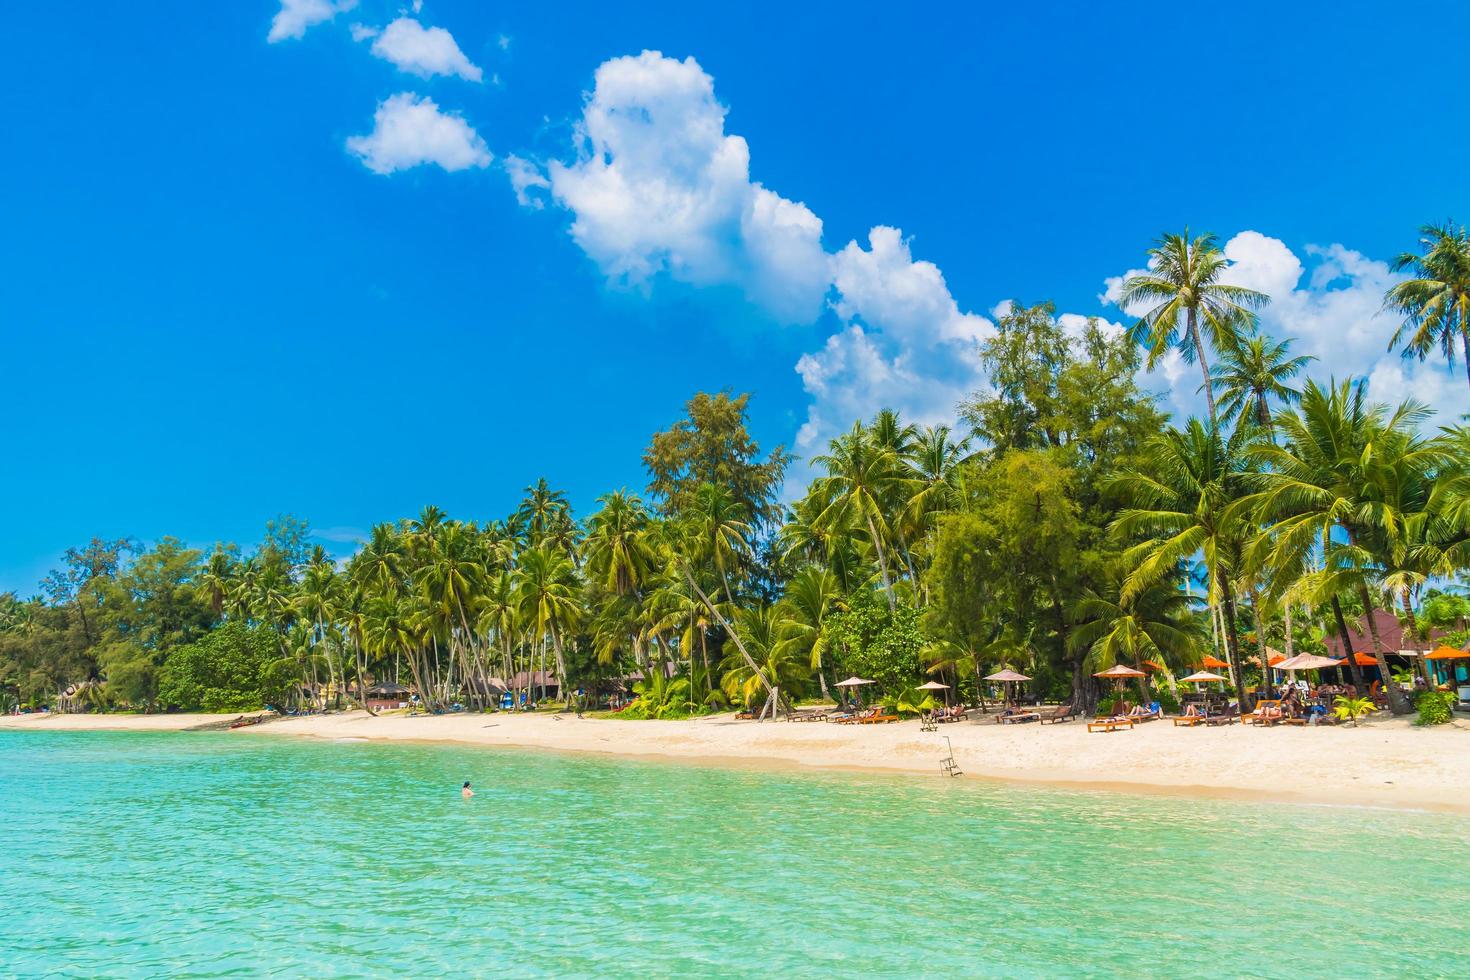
(130, 854)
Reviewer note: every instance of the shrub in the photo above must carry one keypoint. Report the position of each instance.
(1166, 700)
(1106, 705)
(1435, 707)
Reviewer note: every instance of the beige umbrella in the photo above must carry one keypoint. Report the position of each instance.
(1120, 673)
(1307, 661)
(1007, 677)
(853, 682)
(934, 686)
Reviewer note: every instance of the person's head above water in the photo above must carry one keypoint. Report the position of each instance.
(466, 784)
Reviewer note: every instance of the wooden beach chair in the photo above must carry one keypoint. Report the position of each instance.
(1109, 724)
(1062, 712)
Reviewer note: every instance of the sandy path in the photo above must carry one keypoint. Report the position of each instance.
(1386, 762)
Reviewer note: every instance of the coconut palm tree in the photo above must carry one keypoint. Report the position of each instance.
(1185, 505)
(618, 554)
(861, 475)
(1181, 288)
(720, 522)
(1251, 377)
(810, 595)
(549, 599)
(1334, 486)
(764, 663)
(1435, 303)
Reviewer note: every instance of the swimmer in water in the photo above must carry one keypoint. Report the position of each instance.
(465, 790)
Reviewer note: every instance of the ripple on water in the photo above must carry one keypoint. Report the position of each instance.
(205, 855)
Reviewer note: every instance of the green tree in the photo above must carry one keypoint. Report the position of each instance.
(1181, 288)
(1435, 302)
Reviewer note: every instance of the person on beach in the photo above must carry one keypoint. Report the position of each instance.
(465, 790)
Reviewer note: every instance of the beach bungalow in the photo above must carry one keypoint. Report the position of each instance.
(387, 696)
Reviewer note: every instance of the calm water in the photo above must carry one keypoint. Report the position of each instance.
(212, 855)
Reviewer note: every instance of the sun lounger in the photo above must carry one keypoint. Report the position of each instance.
(1109, 724)
(817, 714)
(1140, 713)
(1228, 717)
(858, 717)
(1017, 716)
(1062, 712)
(878, 719)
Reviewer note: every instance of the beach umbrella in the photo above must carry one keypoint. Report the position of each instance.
(1213, 663)
(1361, 659)
(1119, 673)
(853, 683)
(1007, 677)
(1201, 677)
(934, 686)
(1446, 653)
(1307, 661)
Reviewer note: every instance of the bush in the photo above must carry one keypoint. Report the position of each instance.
(1435, 707)
(1167, 700)
(1106, 705)
(233, 668)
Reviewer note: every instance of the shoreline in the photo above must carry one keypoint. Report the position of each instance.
(1386, 763)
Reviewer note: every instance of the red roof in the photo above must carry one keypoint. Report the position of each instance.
(1390, 633)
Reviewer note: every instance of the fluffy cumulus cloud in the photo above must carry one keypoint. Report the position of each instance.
(295, 16)
(905, 345)
(528, 182)
(658, 188)
(409, 130)
(422, 51)
(1330, 303)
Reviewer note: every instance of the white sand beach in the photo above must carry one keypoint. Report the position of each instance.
(1385, 762)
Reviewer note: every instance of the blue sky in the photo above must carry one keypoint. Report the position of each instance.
(245, 276)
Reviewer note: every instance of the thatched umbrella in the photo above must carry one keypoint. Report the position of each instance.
(1007, 677)
(934, 686)
(1119, 673)
(852, 683)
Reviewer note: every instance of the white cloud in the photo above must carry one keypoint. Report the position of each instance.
(526, 179)
(295, 16)
(1336, 316)
(361, 32)
(906, 346)
(659, 188)
(423, 51)
(409, 130)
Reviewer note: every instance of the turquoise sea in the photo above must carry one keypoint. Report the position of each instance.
(218, 855)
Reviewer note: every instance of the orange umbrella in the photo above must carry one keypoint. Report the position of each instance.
(1152, 666)
(1448, 653)
(1213, 663)
(1362, 659)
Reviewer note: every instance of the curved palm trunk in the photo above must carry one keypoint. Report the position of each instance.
(1232, 644)
(1347, 644)
(739, 644)
(882, 564)
(1397, 703)
(1204, 365)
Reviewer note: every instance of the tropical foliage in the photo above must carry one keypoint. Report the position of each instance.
(1065, 527)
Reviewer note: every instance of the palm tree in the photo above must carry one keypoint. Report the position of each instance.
(764, 663)
(1333, 486)
(1435, 304)
(549, 599)
(861, 474)
(1185, 505)
(617, 551)
(1252, 373)
(1183, 283)
(724, 533)
(810, 596)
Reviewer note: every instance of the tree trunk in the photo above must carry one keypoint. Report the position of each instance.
(739, 645)
(882, 565)
(1397, 703)
(1232, 645)
(1418, 640)
(1347, 644)
(1204, 365)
